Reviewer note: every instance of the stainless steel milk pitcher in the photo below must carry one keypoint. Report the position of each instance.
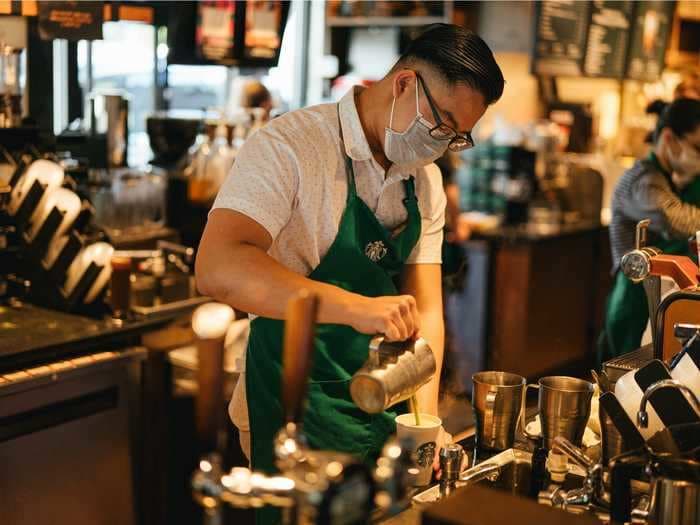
(393, 372)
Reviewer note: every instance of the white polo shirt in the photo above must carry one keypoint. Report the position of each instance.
(290, 178)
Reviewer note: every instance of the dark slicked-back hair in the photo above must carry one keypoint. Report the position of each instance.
(682, 116)
(459, 56)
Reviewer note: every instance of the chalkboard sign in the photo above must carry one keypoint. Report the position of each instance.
(70, 20)
(608, 37)
(560, 37)
(651, 27)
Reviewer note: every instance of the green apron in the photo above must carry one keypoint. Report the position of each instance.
(627, 312)
(363, 259)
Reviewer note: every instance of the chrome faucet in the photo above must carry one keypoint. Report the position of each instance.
(592, 491)
(643, 416)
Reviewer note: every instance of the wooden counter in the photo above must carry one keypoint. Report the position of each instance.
(31, 335)
(84, 408)
(533, 302)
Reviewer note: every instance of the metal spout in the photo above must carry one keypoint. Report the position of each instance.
(643, 416)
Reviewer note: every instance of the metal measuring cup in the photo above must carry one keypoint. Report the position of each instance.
(564, 406)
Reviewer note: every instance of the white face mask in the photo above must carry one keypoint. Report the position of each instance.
(414, 147)
(686, 166)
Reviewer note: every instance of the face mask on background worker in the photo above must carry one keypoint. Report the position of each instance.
(414, 147)
(685, 163)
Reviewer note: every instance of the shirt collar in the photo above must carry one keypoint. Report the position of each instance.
(356, 145)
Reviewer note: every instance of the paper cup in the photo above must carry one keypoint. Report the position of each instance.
(424, 438)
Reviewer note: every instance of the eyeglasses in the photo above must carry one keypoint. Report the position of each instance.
(442, 131)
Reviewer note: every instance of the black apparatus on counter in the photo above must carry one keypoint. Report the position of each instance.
(28, 270)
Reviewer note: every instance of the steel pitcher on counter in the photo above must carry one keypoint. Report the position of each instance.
(393, 372)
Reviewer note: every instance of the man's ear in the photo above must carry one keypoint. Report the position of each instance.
(403, 79)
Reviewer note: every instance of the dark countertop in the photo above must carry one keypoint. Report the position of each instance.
(412, 515)
(532, 232)
(31, 335)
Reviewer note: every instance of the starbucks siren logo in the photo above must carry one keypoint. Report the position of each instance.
(375, 250)
(425, 454)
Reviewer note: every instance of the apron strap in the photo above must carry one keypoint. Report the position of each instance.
(410, 187)
(352, 190)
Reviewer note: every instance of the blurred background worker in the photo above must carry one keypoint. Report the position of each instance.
(254, 94)
(665, 188)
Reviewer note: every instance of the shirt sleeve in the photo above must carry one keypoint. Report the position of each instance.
(653, 198)
(432, 202)
(263, 182)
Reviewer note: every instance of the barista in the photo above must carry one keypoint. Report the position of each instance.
(344, 200)
(663, 187)
(254, 94)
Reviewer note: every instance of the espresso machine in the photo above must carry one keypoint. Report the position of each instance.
(313, 486)
(656, 405)
(647, 265)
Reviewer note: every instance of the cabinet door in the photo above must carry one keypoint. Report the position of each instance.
(65, 453)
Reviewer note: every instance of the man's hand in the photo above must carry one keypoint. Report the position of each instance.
(443, 439)
(396, 317)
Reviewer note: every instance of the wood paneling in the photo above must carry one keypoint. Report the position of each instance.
(544, 296)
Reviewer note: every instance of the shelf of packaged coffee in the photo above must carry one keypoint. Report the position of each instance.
(30, 335)
(376, 21)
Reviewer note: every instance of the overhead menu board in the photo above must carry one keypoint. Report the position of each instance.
(263, 21)
(651, 27)
(560, 37)
(608, 35)
(216, 28)
(71, 20)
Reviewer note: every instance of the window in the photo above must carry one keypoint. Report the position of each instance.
(197, 87)
(125, 60)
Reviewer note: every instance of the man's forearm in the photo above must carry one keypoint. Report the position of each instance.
(262, 286)
(433, 330)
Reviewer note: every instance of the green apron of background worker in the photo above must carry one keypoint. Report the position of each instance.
(363, 259)
(627, 310)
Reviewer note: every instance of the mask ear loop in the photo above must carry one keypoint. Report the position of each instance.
(418, 113)
(393, 103)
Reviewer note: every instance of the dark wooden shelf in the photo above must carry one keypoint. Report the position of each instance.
(395, 21)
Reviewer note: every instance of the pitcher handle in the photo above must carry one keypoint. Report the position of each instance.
(489, 423)
(521, 420)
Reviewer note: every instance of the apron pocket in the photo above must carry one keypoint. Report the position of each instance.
(334, 422)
